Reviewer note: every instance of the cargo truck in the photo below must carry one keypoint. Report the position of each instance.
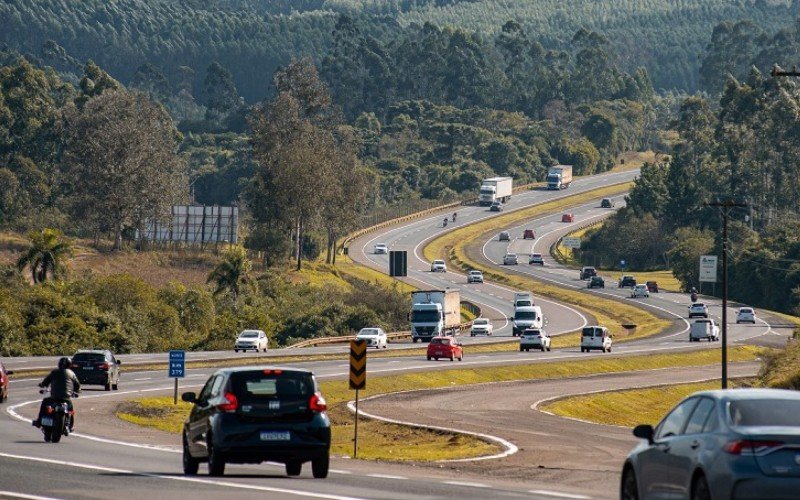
(495, 189)
(559, 177)
(434, 312)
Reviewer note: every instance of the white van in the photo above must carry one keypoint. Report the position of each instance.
(595, 338)
(523, 299)
(704, 329)
(526, 317)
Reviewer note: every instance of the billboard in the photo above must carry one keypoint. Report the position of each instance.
(198, 224)
(708, 268)
(572, 242)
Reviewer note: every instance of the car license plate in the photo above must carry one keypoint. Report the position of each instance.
(275, 436)
(88, 367)
(47, 421)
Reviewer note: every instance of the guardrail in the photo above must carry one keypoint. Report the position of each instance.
(557, 254)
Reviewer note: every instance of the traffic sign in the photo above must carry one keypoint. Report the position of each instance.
(622, 264)
(358, 364)
(708, 268)
(177, 364)
(571, 242)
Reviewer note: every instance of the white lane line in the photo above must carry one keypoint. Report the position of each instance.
(338, 471)
(558, 494)
(188, 479)
(13, 494)
(143, 378)
(463, 483)
(387, 476)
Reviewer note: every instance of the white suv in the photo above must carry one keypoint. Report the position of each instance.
(639, 291)
(438, 266)
(475, 277)
(534, 338)
(481, 326)
(381, 248)
(375, 337)
(698, 309)
(746, 315)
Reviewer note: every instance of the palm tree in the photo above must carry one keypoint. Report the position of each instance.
(231, 272)
(47, 255)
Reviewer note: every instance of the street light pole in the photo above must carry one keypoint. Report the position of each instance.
(726, 208)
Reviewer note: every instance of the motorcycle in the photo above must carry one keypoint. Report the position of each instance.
(444, 224)
(55, 418)
(693, 296)
(454, 217)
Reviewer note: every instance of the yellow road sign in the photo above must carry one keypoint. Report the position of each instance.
(358, 364)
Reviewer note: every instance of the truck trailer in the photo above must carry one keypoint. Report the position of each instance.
(434, 312)
(495, 188)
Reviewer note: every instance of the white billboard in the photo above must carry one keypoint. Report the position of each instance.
(196, 224)
(571, 242)
(708, 268)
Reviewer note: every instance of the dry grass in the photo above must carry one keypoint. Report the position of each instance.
(635, 159)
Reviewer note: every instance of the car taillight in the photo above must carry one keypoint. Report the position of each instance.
(317, 403)
(103, 366)
(75, 365)
(273, 372)
(231, 405)
(750, 447)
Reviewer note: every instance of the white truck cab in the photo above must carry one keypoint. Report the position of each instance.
(523, 299)
(526, 317)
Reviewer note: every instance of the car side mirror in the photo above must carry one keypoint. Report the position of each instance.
(644, 431)
(119, 362)
(189, 397)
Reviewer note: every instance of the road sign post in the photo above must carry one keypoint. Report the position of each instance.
(358, 379)
(177, 369)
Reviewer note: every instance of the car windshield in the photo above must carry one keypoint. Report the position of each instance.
(256, 385)
(532, 333)
(475, 273)
(511, 256)
(89, 356)
(438, 262)
(767, 412)
(248, 335)
(537, 256)
(481, 321)
(523, 303)
(367, 332)
(486, 191)
(440, 341)
(425, 316)
(525, 315)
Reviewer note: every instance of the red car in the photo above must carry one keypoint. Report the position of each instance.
(568, 218)
(528, 235)
(445, 347)
(4, 382)
(652, 287)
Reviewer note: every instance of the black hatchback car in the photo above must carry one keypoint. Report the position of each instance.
(97, 367)
(256, 414)
(596, 282)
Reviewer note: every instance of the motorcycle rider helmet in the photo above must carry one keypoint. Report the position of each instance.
(64, 363)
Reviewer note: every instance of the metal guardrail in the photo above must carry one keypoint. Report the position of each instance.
(556, 253)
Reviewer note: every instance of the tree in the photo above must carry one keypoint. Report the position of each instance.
(47, 255)
(95, 81)
(121, 161)
(229, 275)
(150, 80)
(221, 95)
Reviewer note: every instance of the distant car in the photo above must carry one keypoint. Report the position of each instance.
(375, 337)
(445, 347)
(475, 277)
(481, 326)
(735, 443)
(596, 282)
(536, 258)
(497, 206)
(534, 338)
(4, 382)
(698, 309)
(746, 315)
(529, 234)
(627, 281)
(255, 340)
(97, 367)
(640, 291)
(256, 414)
(595, 338)
(704, 329)
(438, 266)
(510, 259)
(504, 236)
(568, 218)
(652, 286)
(587, 272)
(607, 203)
(381, 248)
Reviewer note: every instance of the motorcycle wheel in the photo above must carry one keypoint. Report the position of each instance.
(46, 432)
(57, 430)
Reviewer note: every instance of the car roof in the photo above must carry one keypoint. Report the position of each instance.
(236, 369)
(745, 394)
(696, 304)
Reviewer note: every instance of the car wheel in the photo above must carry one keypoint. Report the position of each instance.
(461, 358)
(452, 357)
(108, 385)
(294, 468)
(429, 358)
(542, 348)
(628, 487)
(521, 348)
(700, 489)
(414, 340)
(216, 464)
(548, 348)
(236, 350)
(190, 464)
(609, 349)
(115, 386)
(319, 466)
(436, 359)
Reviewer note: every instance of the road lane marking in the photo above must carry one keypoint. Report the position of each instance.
(388, 476)
(557, 494)
(144, 378)
(463, 483)
(13, 494)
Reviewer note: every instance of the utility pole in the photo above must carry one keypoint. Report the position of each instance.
(726, 207)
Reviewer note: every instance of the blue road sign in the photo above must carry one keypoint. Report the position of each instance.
(177, 364)
(622, 264)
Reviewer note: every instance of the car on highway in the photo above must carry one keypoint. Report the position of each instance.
(510, 259)
(698, 309)
(587, 272)
(652, 286)
(475, 276)
(4, 382)
(568, 218)
(504, 236)
(734, 443)
(380, 248)
(529, 234)
(255, 414)
(374, 336)
(255, 340)
(536, 258)
(595, 338)
(526, 317)
(481, 326)
(438, 266)
(534, 338)
(596, 282)
(704, 329)
(746, 315)
(445, 347)
(96, 367)
(640, 290)
(497, 206)
(607, 203)
(627, 281)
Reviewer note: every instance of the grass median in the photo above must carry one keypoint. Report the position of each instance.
(454, 246)
(381, 441)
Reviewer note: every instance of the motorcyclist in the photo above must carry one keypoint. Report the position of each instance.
(454, 216)
(445, 221)
(63, 383)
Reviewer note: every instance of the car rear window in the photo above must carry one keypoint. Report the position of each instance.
(252, 386)
(440, 341)
(588, 332)
(767, 412)
(89, 356)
